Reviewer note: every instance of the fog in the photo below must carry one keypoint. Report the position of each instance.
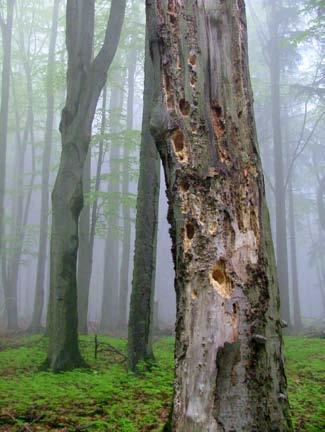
(286, 51)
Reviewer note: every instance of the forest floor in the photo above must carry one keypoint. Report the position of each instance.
(107, 398)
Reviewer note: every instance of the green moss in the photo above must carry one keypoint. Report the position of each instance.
(107, 398)
(305, 360)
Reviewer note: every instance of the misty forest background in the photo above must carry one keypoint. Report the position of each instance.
(291, 140)
(286, 46)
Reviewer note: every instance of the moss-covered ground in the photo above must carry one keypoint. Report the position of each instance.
(107, 398)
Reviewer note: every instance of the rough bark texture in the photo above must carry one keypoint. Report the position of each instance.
(280, 187)
(85, 80)
(43, 244)
(142, 296)
(229, 365)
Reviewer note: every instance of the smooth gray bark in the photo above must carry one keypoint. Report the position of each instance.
(143, 283)
(36, 325)
(320, 202)
(84, 260)
(21, 206)
(293, 259)
(109, 316)
(279, 177)
(126, 212)
(85, 80)
(6, 29)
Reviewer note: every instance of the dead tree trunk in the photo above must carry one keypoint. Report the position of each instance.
(85, 80)
(229, 365)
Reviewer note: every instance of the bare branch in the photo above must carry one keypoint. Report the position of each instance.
(107, 52)
(300, 149)
(260, 33)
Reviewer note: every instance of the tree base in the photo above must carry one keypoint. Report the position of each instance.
(36, 329)
(64, 363)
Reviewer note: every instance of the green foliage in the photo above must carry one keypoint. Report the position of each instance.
(108, 398)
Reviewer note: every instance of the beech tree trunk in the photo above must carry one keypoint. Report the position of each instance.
(88, 230)
(293, 258)
(143, 283)
(84, 260)
(85, 81)
(21, 205)
(126, 212)
(6, 30)
(46, 160)
(112, 250)
(229, 363)
(320, 202)
(280, 187)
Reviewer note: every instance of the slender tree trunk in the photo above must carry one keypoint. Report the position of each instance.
(109, 314)
(142, 297)
(320, 202)
(280, 188)
(100, 161)
(293, 256)
(6, 29)
(84, 260)
(88, 230)
(126, 244)
(229, 364)
(46, 160)
(85, 81)
(22, 204)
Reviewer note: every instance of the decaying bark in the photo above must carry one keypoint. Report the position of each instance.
(229, 365)
(85, 80)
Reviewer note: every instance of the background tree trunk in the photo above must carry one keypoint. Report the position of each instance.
(293, 257)
(85, 81)
(280, 187)
(84, 260)
(126, 213)
(229, 365)
(43, 243)
(112, 251)
(6, 29)
(142, 297)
